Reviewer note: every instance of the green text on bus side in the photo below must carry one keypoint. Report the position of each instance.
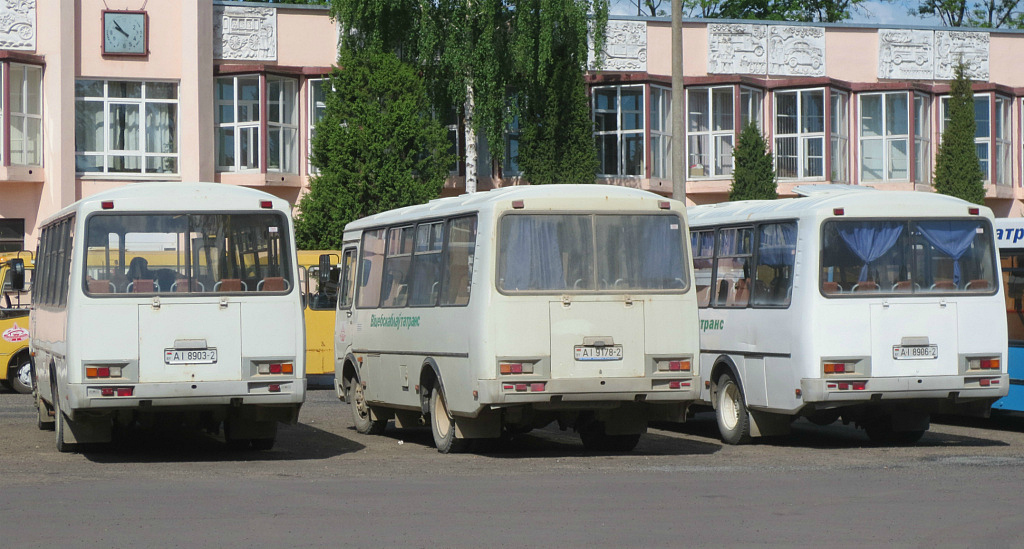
(706, 325)
(394, 321)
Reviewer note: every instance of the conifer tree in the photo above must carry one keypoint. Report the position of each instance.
(957, 170)
(753, 175)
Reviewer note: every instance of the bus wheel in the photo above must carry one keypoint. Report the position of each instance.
(880, 432)
(21, 381)
(361, 416)
(596, 440)
(731, 412)
(443, 426)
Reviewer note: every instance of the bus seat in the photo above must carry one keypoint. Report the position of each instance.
(831, 287)
(905, 286)
(230, 285)
(943, 285)
(272, 284)
(740, 294)
(703, 295)
(142, 285)
(101, 287)
(187, 285)
(865, 286)
(978, 285)
(724, 291)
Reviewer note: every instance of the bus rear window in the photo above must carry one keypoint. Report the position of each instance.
(187, 254)
(863, 258)
(580, 253)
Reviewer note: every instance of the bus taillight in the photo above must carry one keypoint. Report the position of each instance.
(978, 363)
(511, 368)
(275, 368)
(674, 365)
(839, 368)
(94, 372)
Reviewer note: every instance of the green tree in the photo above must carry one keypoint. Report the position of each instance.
(753, 175)
(982, 13)
(549, 54)
(818, 11)
(957, 170)
(376, 148)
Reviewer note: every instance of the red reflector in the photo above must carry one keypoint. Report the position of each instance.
(838, 211)
(673, 384)
(508, 386)
(675, 366)
(103, 372)
(995, 382)
(266, 204)
(520, 386)
(107, 204)
(984, 382)
(518, 204)
(664, 204)
(275, 388)
(830, 386)
(859, 386)
(107, 391)
(844, 386)
(516, 368)
(275, 368)
(973, 211)
(536, 387)
(125, 391)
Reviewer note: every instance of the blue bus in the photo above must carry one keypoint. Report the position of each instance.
(1010, 240)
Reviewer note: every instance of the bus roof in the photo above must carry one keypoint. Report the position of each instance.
(822, 204)
(174, 196)
(503, 196)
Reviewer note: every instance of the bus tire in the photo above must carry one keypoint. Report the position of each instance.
(731, 412)
(21, 376)
(443, 426)
(361, 416)
(881, 433)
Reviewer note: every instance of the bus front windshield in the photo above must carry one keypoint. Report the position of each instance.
(187, 253)
(862, 258)
(568, 253)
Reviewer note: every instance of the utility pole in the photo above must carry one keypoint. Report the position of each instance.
(678, 144)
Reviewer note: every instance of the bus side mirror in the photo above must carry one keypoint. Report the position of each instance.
(324, 274)
(17, 274)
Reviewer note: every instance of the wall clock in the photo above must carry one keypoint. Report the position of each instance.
(125, 33)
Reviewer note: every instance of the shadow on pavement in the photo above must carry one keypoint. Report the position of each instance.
(164, 444)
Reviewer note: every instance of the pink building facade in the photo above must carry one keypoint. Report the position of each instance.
(99, 94)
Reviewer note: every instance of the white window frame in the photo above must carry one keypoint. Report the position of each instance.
(622, 138)
(751, 107)
(317, 108)
(107, 153)
(982, 141)
(661, 132)
(803, 137)
(718, 132)
(839, 136)
(249, 128)
(1002, 136)
(887, 140)
(285, 128)
(26, 115)
(922, 139)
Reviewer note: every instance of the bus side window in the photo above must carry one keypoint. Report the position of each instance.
(371, 269)
(347, 278)
(457, 270)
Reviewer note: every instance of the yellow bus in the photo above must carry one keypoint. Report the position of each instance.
(318, 271)
(15, 360)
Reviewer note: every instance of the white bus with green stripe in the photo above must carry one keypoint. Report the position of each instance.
(503, 311)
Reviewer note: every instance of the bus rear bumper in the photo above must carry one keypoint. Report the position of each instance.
(552, 392)
(188, 395)
(961, 388)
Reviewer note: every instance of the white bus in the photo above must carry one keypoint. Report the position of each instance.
(879, 308)
(504, 311)
(168, 297)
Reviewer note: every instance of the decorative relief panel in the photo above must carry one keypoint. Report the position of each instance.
(244, 33)
(906, 54)
(625, 47)
(796, 51)
(18, 25)
(971, 47)
(737, 49)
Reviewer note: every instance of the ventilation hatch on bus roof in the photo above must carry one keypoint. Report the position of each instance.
(829, 188)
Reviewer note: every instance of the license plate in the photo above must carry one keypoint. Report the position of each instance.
(608, 352)
(190, 356)
(915, 352)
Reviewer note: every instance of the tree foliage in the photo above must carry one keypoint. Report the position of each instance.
(753, 175)
(957, 170)
(376, 148)
(982, 13)
(811, 11)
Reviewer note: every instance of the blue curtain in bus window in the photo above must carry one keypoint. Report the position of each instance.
(662, 263)
(778, 244)
(869, 240)
(952, 238)
(533, 259)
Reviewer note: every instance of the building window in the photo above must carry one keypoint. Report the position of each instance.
(619, 129)
(884, 136)
(661, 132)
(751, 107)
(839, 135)
(238, 123)
(922, 139)
(1003, 141)
(982, 131)
(12, 235)
(282, 124)
(26, 115)
(317, 110)
(126, 127)
(710, 131)
(800, 134)
(510, 164)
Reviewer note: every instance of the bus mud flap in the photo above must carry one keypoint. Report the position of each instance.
(485, 425)
(86, 430)
(766, 424)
